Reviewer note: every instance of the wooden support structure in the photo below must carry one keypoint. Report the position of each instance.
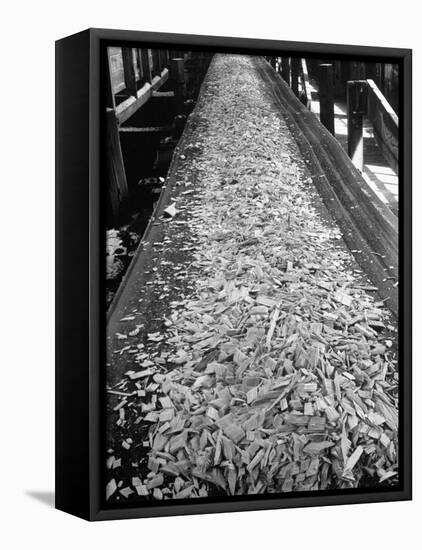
(146, 69)
(356, 109)
(178, 78)
(326, 96)
(156, 65)
(295, 75)
(116, 175)
(128, 107)
(129, 72)
(285, 69)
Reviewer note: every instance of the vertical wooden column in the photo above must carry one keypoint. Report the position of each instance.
(285, 69)
(115, 171)
(146, 69)
(116, 175)
(295, 75)
(357, 94)
(178, 78)
(129, 71)
(326, 96)
(156, 68)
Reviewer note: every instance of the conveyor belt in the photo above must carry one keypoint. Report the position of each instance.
(253, 279)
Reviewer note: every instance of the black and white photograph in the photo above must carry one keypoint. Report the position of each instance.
(251, 236)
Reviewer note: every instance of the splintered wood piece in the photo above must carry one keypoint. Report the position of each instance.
(271, 329)
(140, 374)
(142, 490)
(126, 492)
(111, 488)
(317, 447)
(234, 432)
(170, 211)
(353, 459)
(156, 481)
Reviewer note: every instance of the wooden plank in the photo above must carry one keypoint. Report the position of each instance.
(386, 124)
(128, 107)
(146, 129)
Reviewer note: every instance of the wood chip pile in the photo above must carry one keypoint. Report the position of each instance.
(278, 372)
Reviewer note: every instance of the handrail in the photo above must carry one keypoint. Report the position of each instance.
(306, 87)
(364, 98)
(295, 71)
(385, 122)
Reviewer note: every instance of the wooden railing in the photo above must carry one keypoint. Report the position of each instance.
(386, 124)
(294, 71)
(364, 99)
(132, 76)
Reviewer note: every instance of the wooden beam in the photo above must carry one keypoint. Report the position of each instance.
(305, 84)
(146, 69)
(109, 94)
(326, 96)
(386, 124)
(170, 93)
(116, 175)
(295, 75)
(285, 69)
(129, 71)
(178, 78)
(146, 129)
(356, 109)
(156, 66)
(128, 107)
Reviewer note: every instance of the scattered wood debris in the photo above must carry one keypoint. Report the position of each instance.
(278, 371)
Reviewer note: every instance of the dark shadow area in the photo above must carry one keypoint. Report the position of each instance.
(45, 497)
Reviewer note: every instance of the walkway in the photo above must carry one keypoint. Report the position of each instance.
(247, 352)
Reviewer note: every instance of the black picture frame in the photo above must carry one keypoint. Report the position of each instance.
(79, 263)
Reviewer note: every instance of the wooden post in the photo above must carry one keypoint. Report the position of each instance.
(357, 94)
(109, 93)
(146, 69)
(116, 175)
(295, 75)
(178, 78)
(285, 69)
(156, 68)
(129, 71)
(326, 96)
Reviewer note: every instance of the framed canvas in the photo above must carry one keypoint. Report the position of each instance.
(233, 274)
